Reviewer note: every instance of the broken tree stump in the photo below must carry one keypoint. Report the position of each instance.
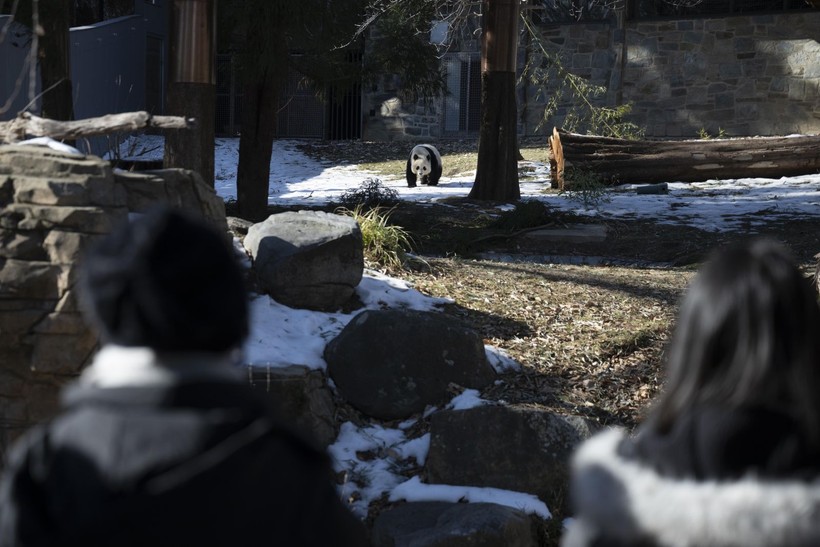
(620, 161)
(556, 159)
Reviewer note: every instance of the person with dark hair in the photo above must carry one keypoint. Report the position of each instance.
(730, 453)
(161, 441)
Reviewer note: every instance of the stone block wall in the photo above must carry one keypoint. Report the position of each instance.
(743, 75)
(746, 75)
(387, 117)
(52, 205)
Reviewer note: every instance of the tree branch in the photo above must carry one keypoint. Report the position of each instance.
(28, 125)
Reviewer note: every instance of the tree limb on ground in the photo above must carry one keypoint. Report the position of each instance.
(618, 161)
(27, 125)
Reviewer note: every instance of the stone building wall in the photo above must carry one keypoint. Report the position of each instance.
(747, 75)
(52, 205)
(744, 75)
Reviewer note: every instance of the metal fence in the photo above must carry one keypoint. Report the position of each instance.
(462, 104)
(302, 113)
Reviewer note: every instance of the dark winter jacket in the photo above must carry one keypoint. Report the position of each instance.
(720, 478)
(197, 462)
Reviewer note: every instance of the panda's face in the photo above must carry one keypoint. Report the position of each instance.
(421, 164)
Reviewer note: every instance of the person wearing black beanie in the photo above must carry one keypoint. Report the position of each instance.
(169, 282)
(161, 441)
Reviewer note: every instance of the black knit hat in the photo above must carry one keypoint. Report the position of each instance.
(167, 281)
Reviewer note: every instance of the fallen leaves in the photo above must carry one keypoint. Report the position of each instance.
(590, 338)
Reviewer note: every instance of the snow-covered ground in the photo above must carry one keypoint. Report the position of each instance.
(713, 205)
(281, 335)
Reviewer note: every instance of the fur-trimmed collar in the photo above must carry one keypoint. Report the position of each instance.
(118, 366)
(628, 502)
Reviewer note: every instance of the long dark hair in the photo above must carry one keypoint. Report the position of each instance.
(748, 334)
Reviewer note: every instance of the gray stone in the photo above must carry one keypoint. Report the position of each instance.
(22, 245)
(303, 396)
(574, 233)
(94, 220)
(65, 247)
(97, 191)
(45, 162)
(659, 188)
(309, 259)
(239, 226)
(440, 524)
(393, 363)
(62, 354)
(179, 188)
(511, 447)
(37, 280)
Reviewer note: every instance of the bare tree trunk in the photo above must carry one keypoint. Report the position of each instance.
(259, 101)
(497, 169)
(53, 55)
(497, 172)
(192, 92)
(642, 161)
(192, 148)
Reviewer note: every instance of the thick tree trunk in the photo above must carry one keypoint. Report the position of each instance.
(192, 92)
(496, 176)
(192, 148)
(497, 170)
(619, 161)
(259, 102)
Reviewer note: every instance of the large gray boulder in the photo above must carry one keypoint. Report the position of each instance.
(303, 396)
(516, 448)
(441, 524)
(307, 259)
(393, 363)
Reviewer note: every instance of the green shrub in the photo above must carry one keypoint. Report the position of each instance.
(385, 245)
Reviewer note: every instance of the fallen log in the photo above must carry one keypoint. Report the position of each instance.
(620, 161)
(28, 125)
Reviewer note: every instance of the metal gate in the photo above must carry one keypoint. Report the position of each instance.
(301, 113)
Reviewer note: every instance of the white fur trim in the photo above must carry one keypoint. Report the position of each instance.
(118, 366)
(630, 500)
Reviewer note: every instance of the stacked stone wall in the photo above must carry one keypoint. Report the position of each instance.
(52, 205)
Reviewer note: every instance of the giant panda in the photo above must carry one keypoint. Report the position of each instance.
(424, 163)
